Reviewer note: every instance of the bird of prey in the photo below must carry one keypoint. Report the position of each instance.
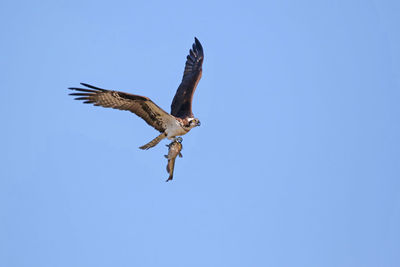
(179, 122)
(174, 150)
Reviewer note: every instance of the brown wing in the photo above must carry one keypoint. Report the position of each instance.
(182, 103)
(140, 105)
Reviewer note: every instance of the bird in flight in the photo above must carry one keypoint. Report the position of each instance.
(179, 122)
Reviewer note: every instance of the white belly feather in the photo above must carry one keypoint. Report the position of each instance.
(174, 129)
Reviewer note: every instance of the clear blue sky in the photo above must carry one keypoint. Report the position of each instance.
(296, 163)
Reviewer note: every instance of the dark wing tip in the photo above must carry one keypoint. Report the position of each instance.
(82, 98)
(93, 87)
(92, 90)
(82, 90)
(197, 46)
(83, 94)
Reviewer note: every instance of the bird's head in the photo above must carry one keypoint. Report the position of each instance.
(193, 122)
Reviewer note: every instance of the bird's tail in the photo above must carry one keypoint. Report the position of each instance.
(154, 142)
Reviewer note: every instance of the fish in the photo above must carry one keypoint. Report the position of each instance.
(174, 150)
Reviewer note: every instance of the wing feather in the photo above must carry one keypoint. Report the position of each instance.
(140, 105)
(182, 103)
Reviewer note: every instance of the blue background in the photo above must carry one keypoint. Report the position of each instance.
(297, 161)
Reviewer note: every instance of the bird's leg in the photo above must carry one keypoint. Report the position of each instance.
(154, 142)
(178, 139)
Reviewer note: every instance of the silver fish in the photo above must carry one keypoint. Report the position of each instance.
(174, 151)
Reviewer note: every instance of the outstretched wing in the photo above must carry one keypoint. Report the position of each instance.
(182, 103)
(140, 105)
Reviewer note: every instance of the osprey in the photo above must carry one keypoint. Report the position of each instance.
(181, 119)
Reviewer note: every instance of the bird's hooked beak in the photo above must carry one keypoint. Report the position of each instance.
(198, 123)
